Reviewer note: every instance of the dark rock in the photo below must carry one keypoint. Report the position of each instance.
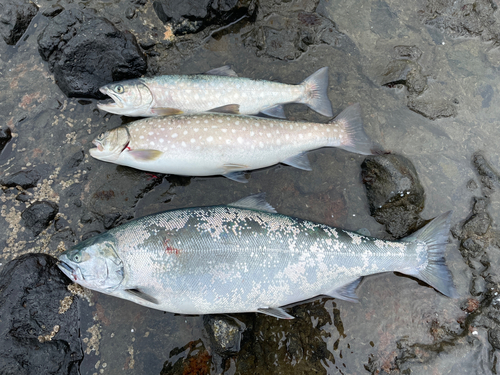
(407, 73)
(187, 17)
(38, 216)
(494, 338)
(287, 37)
(489, 177)
(26, 179)
(75, 160)
(53, 11)
(464, 18)
(432, 108)
(5, 136)
(394, 193)
(225, 334)
(34, 337)
(23, 197)
(130, 13)
(90, 234)
(110, 220)
(85, 52)
(15, 18)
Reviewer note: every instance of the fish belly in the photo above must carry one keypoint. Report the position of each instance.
(224, 259)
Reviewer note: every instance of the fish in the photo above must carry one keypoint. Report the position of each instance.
(218, 90)
(225, 144)
(245, 257)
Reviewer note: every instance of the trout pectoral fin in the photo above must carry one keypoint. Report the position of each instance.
(277, 312)
(346, 292)
(222, 71)
(146, 297)
(166, 111)
(230, 108)
(276, 111)
(300, 161)
(145, 155)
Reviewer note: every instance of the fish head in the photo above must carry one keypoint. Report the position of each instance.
(110, 144)
(130, 98)
(93, 264)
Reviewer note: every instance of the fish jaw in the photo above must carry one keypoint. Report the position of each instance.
(130, 98)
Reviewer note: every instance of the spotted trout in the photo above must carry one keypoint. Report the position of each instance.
(212, 144)
(218, 90)
(244, 257)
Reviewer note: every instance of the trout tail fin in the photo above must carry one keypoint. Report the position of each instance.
(351, 134)
(434, 271)
(316, 95)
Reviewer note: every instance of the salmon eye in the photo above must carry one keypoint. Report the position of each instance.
(119, 89)
(77, 258)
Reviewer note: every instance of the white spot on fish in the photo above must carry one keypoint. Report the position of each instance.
(224, 130)
(210, 139)
(161, 140)
(240, 140)
(141, 137)
(237, 123)
(193, 140)
(174, 135)
(261, 145)
(196, 130)
(183, 144)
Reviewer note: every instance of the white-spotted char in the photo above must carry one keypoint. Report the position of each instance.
(244, 257)
(213, 143)
(218, 90)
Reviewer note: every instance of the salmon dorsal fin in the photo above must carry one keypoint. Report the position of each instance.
(277, 312)
(222, 71)
(137, 293)
(254, 202)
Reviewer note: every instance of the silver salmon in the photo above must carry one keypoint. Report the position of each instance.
(244, 257)
(218, 90)
(212, 144)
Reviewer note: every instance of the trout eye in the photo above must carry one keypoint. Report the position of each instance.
(119, 89)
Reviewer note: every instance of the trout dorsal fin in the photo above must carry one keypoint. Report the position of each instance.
(254, 202)
(222, 71)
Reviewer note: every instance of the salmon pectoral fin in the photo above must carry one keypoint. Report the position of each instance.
(277, 312)
(276, 111)
(145, 155)
(146, 297)
(166, 111)
(254, 202)
(236, 176)
(230, 108)
(300, 161)
(222, 71)
(346, 292)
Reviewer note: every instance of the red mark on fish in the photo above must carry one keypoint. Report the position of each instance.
(170, 249)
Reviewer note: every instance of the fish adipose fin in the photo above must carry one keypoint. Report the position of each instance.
(300, 161)
(145, 155)
(230, 108)
(166, 111)
(316, 95)
(356, 141)
(254, 202)
(434, 272)
(222, 71)
(276, 111)
(346, 292)
(277, 312)
(146, 297)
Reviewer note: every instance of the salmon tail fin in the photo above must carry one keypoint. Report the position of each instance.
(316, 95)
(434, 236)
(354, 138)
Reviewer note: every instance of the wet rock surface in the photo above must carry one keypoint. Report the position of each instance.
(15, 17)
(40, 320)
(394, 193)
(39, 215)
(86, 52)
(194, 16)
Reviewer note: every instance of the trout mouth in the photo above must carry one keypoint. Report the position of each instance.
(116, 100)
(67, 270)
